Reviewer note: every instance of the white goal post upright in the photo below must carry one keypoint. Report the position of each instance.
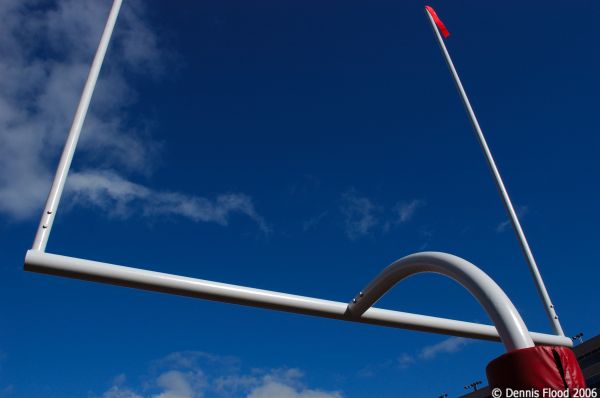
(47, 220)
(533, 268)
(508, 326)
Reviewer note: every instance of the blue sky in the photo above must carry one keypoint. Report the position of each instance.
(298, 147)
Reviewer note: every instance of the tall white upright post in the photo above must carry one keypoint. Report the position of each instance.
(43, 231)
(539, 283)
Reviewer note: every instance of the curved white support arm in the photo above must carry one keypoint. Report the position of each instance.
(511, 328)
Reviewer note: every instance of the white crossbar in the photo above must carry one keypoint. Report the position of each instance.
(46, 263)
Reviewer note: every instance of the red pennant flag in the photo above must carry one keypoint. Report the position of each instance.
(438, 21)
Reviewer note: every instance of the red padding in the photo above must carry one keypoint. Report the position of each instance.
(536, 368)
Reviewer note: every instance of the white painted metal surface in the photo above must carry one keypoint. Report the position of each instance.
(511, 328)
(47, 220)
(46, 263)
(533, 268)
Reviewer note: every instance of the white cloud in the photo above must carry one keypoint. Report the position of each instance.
(503, 226)
(406, 210)
(200, 375)
(522, 211)
(359, 215)
(234, 383)
(313, 221)
(177, 384)
(362, 216)
(286, 383)
(450, 345)
(45, 55)
(279, 390)
(119, 197)
(120, 392)
(405, 360)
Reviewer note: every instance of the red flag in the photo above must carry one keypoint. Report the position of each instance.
(438, 21)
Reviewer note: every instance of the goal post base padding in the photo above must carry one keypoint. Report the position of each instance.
(537, 368)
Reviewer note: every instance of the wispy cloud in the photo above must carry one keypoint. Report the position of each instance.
(408, 359)
(447, 346)
(313, 221)
(178, 384)
(522, 211)
(405, 360)
(502, 226)
(119, 197)
(406, 210)
(427, 234)
(427, 353)
(275, 389)
(197, 375)
(360, 214)
(120, 392)
(45, 54)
